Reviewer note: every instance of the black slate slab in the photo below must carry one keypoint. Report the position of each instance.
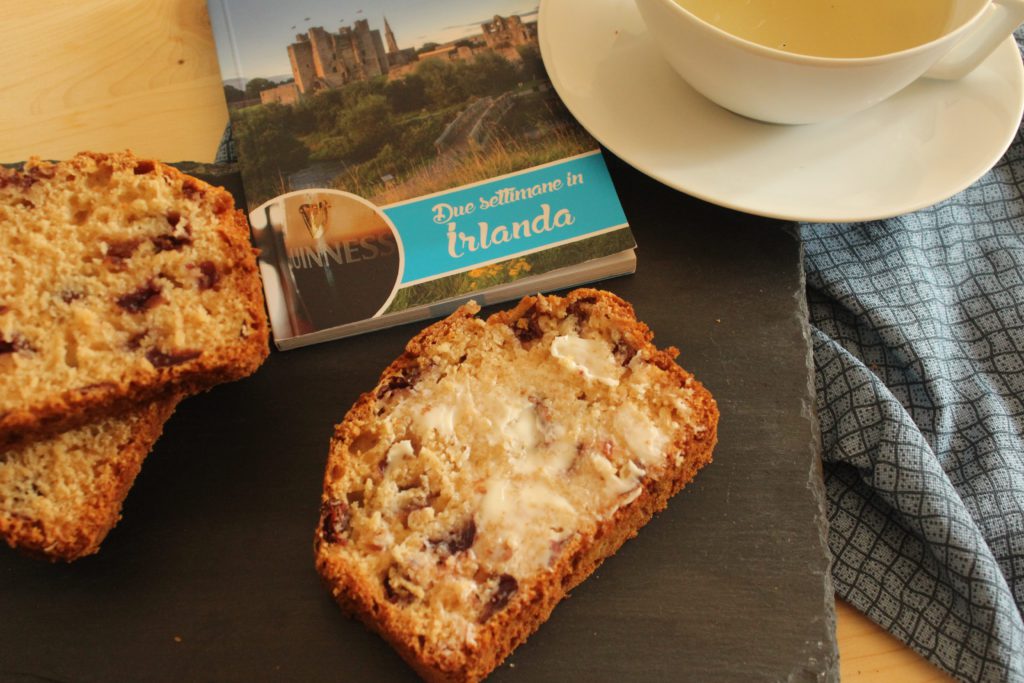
(209, 577)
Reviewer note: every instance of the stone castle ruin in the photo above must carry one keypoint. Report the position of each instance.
(505, 34)
(322, 60)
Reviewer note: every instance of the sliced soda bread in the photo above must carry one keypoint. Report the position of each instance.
(60, 496)
(120, 279)
(495, 465)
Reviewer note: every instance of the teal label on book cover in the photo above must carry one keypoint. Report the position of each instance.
(505, 217)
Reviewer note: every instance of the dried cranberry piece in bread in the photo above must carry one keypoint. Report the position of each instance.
(495, 465)
(120, 279)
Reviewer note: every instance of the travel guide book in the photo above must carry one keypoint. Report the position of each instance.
(401, 159)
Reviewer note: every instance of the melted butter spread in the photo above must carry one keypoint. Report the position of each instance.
(592, 358)
(402, 449)
(539, 451)
(520, 518)
(640, 434)
(439, 419)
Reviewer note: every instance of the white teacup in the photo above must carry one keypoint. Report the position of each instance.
(770, 84)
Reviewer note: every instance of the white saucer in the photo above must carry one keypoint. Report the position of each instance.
(917, 148)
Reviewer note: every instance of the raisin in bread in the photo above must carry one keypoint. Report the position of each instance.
(119, 277)
(493, 468)
(60, 496)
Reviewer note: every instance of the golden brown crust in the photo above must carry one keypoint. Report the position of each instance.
(533, 601)
(72, 514)
(56, 411)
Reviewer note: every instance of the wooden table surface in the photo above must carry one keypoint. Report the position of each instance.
(142, 74)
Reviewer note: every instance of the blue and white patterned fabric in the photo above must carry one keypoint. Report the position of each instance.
(918, 332)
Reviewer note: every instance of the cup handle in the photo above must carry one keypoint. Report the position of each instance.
(1000, 19)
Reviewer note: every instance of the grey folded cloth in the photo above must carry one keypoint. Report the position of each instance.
(918, 329)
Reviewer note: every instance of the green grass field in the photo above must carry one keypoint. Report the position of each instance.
(500, 157)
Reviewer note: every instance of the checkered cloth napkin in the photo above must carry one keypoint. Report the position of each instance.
(918, 332)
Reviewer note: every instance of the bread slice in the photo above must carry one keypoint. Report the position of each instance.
(60, 496)
(495, 465)
(120, 278)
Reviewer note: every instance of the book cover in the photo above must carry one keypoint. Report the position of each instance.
(401, 159)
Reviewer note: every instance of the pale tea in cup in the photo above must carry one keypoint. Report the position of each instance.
(829, 28)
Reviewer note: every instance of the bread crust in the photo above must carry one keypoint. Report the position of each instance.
(79, 527)
(57, 412)
(534, 601)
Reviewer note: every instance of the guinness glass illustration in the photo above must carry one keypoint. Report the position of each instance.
(336, 259)
(315, 215)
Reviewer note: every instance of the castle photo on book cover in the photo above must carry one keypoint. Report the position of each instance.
(397, 112)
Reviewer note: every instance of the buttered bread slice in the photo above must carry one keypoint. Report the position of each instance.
(121, 279)
(495, 465)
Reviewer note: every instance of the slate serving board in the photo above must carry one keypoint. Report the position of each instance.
(209, 576)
